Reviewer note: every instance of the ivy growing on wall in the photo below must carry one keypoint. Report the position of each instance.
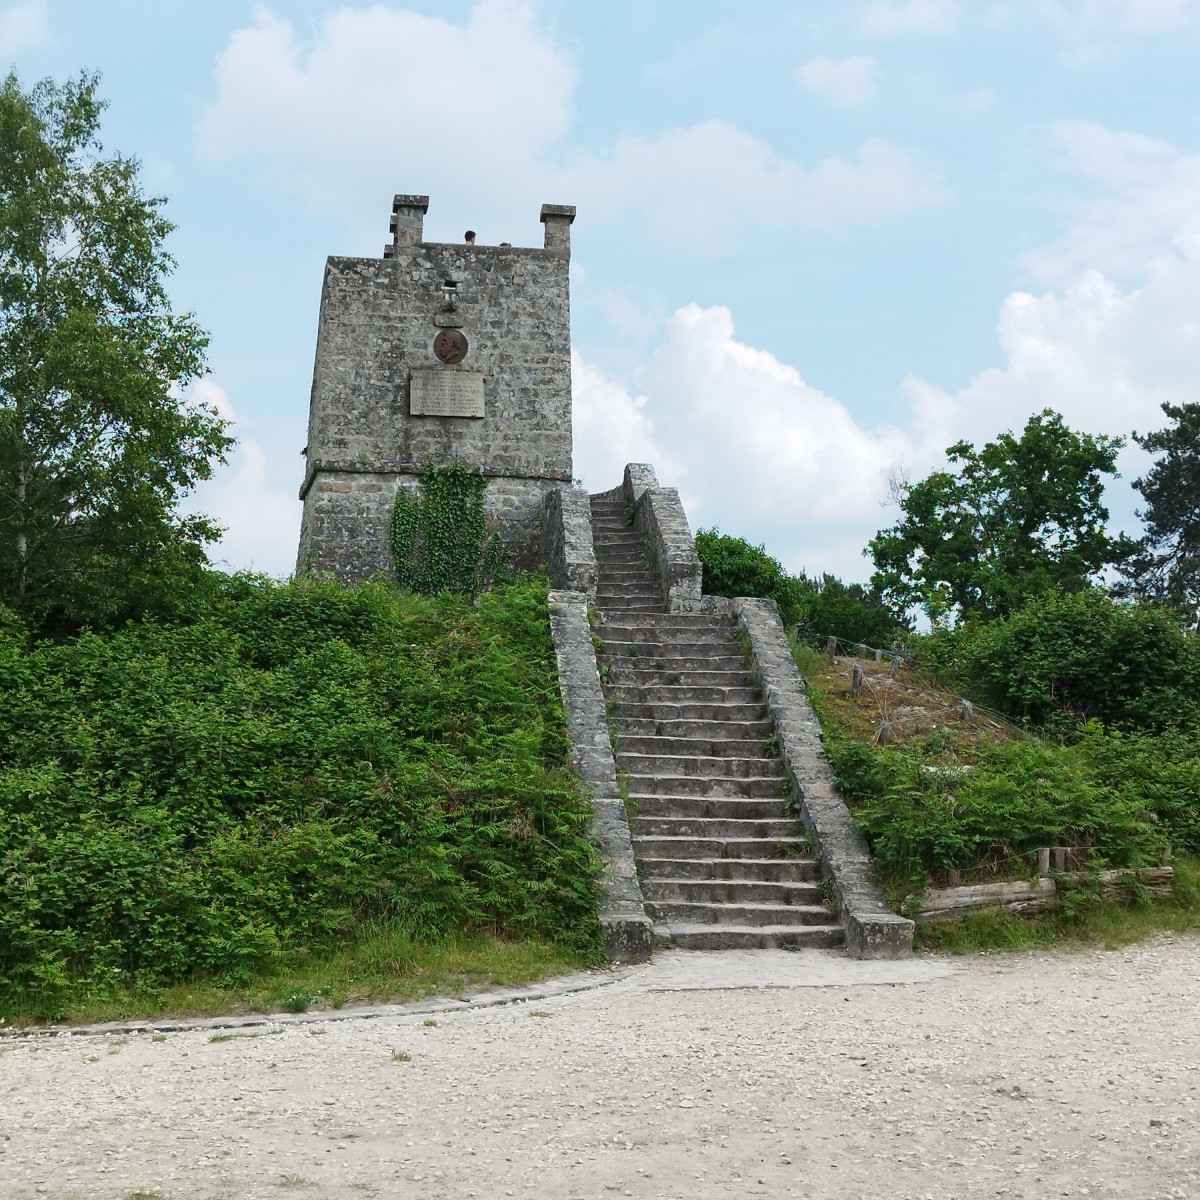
(439, 535)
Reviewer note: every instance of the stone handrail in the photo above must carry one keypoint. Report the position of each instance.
(627, 929)
(567, 547)
(872, 929)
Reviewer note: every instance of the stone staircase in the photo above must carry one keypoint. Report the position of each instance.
(722, 864)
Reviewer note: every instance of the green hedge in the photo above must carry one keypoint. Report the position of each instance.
(186, 799)
(1121, 796)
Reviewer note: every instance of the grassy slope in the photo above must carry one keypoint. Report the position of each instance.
(927, 731)
(304, 783)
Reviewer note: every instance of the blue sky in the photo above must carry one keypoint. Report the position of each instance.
(816, 243)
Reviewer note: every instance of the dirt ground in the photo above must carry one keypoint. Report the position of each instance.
(717, 1075)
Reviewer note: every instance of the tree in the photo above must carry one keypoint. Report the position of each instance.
(1166, 566)
(817, 607)
(1018, 518)
(96, 443)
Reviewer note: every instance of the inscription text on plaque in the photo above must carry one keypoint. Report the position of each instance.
(437, 393)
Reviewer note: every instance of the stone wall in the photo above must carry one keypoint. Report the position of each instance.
(872, 929)
(366, 435)
(627, 929)
(567, 549)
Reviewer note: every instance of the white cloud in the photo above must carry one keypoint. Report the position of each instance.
(24, 26)
(885, 17)
(756, 449)
(701, 187)
(848, 82)
(609, 429)
(761, 453)
(1146, 204)
(382, 100)
(262, 522)
(1086, 17)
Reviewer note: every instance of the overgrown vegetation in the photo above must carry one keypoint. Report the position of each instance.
(817, 607)
(294, 765)
(1063, 658)
(974, 800)
(439, 535)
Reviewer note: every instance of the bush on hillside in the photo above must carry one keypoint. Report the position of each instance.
(1122, 798)
(193, 798)
(1064, 658)
(852, 612)
(734, 567)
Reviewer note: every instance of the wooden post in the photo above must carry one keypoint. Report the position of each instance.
(879, 656)
(856, 679)
(830, 648)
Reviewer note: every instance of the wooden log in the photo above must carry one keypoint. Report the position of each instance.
(1025, 896)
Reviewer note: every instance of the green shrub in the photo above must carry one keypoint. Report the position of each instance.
(1064, 658)
(734, 567)
(189, 799)
(1118, 797)
(852, 612)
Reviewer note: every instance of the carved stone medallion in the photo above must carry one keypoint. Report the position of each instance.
(450, 346)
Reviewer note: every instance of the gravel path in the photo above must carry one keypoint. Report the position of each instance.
(1032, 1075)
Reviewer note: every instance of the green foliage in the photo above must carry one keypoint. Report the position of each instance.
(96, 444)
(439, 537)
(852, 612)
(734, 567)
(301, 759)
(923, 815)
(1020, 517)
(1063, 658)
(1166, 566)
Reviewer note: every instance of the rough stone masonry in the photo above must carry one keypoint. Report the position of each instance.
(433, 352)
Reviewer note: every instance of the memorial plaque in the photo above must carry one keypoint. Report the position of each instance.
(436, 393)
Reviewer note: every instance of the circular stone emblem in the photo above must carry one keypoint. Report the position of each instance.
(450, 346)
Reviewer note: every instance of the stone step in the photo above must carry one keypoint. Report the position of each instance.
(702, 746)
(728, 787)
(711, 828)
(610, 543)
(738, 808)
(721, 660)
(734, 937)
(689, 711)
(624, 576)
(618, 592)
(681, 912)
(733, 891)
(648, 848)
(639, 604)
(639, 727)
(622, 674)
(666, 693)
(688, 768)
(796, 869)
(670, 624)
(716, 647)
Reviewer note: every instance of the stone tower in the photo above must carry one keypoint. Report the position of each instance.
(433, 352)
